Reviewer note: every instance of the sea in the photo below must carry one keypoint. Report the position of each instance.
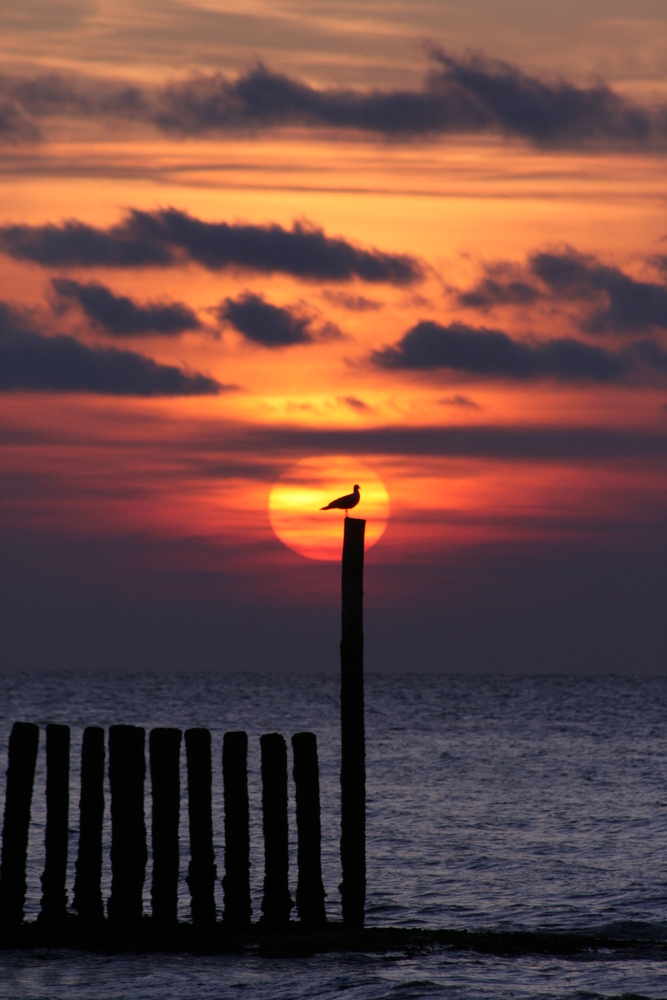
(493, 803)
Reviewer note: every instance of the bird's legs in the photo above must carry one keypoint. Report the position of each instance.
(346, 514)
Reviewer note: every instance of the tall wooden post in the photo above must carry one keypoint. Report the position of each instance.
(127, 771)
(54, 897)
(353, 746)
(202, 870)
(164, 748)
(236, 882)
(310, 889)
(23, 743)
(277, 902)
(87, 884)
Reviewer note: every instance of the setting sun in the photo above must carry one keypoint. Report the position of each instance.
(300, 493)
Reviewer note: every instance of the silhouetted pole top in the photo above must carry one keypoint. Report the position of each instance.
(345, 503)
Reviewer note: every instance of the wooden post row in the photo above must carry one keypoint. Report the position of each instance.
(127, 768)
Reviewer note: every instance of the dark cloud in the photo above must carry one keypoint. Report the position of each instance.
(265, 324)
(649, 355)
(470, 95)
(614, 302)
(263, 99)
(500, 286)
(622, 304)
(119, 316)
(37, 363)
(474, 94)
(75, 244)
(28, 100)
(555, 113)
(459, 400)
(355, 303)
(59, 94)
(15, 126)
(304, 251)
(354, 403)
(163, 237)
(429, 346)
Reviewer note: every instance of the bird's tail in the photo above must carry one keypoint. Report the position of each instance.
(328, 507)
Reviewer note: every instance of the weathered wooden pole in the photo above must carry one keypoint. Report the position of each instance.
(87, 883)
(22, 758)
(277, 902)
(54, 895)
(127, 771)
(164, 752)
(236, 882)
(309, 889)
(202, 871)
(353, 749)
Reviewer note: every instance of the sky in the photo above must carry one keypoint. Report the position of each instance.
(422, 243)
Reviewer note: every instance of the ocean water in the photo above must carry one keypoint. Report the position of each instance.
(493, 803)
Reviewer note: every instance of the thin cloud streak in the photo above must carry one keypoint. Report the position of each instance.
(229, 448)
(354, 303)
(15, 126)
(459, 400)
(524, 443)
(355, 403)
(474, 95)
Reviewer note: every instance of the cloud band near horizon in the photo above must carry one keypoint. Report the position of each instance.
(522, 443)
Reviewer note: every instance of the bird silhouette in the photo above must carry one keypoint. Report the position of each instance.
(344, 503)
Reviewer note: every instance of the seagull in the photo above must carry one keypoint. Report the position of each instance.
(344, 503)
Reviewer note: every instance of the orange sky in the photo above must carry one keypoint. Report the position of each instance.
(489, 448)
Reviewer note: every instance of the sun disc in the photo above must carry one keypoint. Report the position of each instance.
(296, 499)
